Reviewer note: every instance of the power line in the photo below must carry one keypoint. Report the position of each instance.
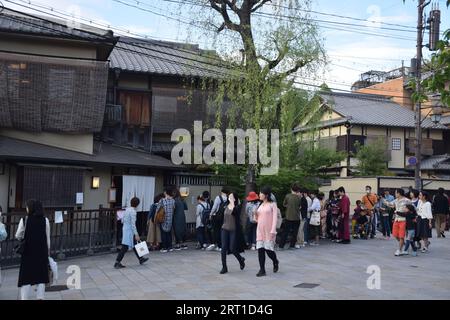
(128, 32)
(139, 3)
(306, 11)
(142, 53)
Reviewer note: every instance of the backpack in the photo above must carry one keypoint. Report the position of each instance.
(160, 215)
(205, 214)
(221, 211)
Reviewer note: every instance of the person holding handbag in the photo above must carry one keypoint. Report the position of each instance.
(130, 235)
(34, 234)
(314, 221)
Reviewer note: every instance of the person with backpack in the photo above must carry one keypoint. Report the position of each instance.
(202, 217)
(217, 213)
(251, 206)
(208, 226)
(130, 235)
(34, 234)
(164, 216)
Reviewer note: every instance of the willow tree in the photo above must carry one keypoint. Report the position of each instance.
(270, 46)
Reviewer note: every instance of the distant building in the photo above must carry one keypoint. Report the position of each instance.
(369, 118)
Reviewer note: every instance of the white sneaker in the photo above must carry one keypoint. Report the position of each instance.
(297, 246)
(163, 251)
(404, 253)
(253, 248)
(205, 246)
(218, 249)
(397, 253)
(211, 247)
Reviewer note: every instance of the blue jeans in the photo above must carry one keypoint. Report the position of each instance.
(386, 226)
(410, 240)
(306, 230)
(201, 236)
(251, 233)
(166, 239)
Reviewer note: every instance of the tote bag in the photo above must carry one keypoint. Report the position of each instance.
(141, 249)
(315, 218)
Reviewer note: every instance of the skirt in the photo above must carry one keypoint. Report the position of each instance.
(268, 245)
(424, 230)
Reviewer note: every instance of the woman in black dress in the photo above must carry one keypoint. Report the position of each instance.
(34, 265)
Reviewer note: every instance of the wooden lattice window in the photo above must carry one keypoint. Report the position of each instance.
(55, 187)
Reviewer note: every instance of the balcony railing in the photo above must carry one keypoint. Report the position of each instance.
(113, 114)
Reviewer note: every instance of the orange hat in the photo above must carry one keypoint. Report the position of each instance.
(252, 196)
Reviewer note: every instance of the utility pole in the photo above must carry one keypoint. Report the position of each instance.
(418, 116)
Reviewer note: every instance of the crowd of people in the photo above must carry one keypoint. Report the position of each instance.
(232, 226)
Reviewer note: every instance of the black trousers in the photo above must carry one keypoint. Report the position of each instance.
(262, 257)
(290, 227)
(217, 230)
(229, 245)
(124, 250)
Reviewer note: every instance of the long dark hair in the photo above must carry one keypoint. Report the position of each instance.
(236, 198)
(35, 208)
(267, 191)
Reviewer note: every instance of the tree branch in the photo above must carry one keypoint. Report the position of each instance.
(222, 9)
(299, 64)
(263, 2)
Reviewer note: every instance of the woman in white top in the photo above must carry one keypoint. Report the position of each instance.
(424, 223)
(314, 230)
(34, 230)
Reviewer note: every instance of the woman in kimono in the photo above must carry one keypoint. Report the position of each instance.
(130, 236)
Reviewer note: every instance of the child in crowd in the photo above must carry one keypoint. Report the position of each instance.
(355, 217)
(411, 224)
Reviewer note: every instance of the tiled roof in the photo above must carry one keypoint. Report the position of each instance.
(104, 154)
(371, 110)
(440, 162)
(166, 58)
(445, 120)
(15, 23)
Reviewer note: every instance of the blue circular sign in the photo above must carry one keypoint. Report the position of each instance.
(412, 161)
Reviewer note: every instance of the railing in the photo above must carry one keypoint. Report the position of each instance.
(83, 232)
(113, 114)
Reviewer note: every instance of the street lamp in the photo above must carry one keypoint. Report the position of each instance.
(348, 126)
(436, 105)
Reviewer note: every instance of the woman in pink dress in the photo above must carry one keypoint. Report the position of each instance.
(266, 217)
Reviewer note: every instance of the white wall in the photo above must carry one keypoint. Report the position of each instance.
(93, 198)
(397, 156)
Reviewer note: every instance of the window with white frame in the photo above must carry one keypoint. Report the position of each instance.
(396, 144)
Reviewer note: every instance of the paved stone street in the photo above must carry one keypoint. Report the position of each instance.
(339, 270)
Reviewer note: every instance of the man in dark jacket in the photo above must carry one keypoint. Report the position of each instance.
(292, 217)
(440, 212)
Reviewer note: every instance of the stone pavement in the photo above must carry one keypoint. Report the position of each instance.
(339, 270)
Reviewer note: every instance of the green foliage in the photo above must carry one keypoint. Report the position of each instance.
(440, 66)
(314, 160)
(282, 182)
(371, 158)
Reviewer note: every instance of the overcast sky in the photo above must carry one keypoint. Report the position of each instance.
(350, 53)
